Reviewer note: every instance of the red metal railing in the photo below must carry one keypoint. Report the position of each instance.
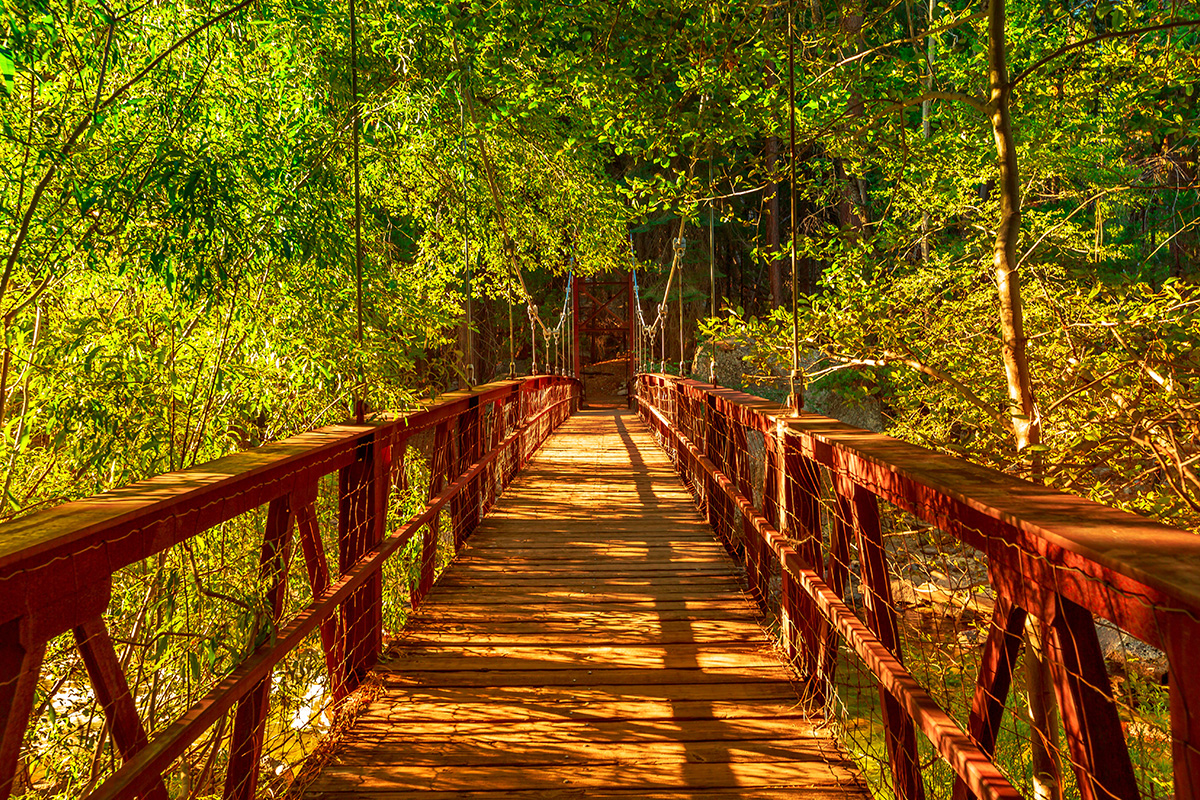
(57, 567)
(860, 588)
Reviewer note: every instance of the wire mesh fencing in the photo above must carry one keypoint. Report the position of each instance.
(963, 633)
(209, 633)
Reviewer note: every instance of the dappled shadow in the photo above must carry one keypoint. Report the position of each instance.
(593, 639)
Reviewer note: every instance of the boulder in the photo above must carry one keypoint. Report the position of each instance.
(867, 414)
(1134, 655)
(721, 362)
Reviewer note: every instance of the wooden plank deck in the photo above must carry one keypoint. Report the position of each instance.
(592, 641)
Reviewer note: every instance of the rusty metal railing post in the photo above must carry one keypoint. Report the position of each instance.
(439, 467)
(357, 531)
(881, 619)
(1182, 635)
(1089, 715)
(996, 671)
(250, 719)
(802, 522)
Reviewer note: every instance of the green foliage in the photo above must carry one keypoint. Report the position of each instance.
(1117, 371)
(178, 280)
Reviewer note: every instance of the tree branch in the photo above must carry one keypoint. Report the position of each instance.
(1066, 48)
(85, 123)
(1050, 408)
(192, 34)
(887, 358)
(956, 97)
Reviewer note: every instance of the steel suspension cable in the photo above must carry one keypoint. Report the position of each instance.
(532, 311)
(554, 333)
(466, 231)
(646, 332)
(680, 244)
(639, 339)
(498, 202)
(712, 250)
(796, 399)
(662, 351)
(360, 389)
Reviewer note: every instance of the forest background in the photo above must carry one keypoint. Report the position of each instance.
(178, 225)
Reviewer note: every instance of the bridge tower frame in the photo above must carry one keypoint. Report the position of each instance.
(593, 314)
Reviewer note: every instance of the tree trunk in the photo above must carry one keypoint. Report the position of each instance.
(771, 156)
(772, 225)
(1026, 424)
(926, 115)
(853, 215)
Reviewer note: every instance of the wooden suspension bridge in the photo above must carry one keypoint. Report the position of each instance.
(592, 640)
(663, 603)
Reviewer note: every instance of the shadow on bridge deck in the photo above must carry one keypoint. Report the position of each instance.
(592, 641)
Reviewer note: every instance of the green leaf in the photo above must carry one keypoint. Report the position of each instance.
(8, 72)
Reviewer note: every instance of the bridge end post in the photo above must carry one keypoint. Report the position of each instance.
(20, 666)
(362, 498)
(1183, 642)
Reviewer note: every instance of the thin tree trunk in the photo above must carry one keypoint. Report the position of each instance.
(771, 156)
(1026, 424)
(926, 116)
(853, 215)
(4, 377)
(1043, 715)
(1098, 215)
(772, 225)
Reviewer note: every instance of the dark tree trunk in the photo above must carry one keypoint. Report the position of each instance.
(771, 222)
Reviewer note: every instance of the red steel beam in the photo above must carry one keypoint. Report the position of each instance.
(250, 719)
(19, 666)
(954, 745)
(112, 691)
(1048, 551)
(51, 559)
(1134, 572)
(147, 765)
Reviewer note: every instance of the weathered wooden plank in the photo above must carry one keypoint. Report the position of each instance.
(588, 657)
(616, 531)
(586, 565)
(535, 753)
(705, 608)
(605, 589)
(592, 627)
(764, 698)
(651, 732)
(571, 677)
(652, 557)
(632, 615)
(642, 776)
(568, 639)
(452, 705)
(601, 580)
(596, 544)
(608, 793)
(631, 567)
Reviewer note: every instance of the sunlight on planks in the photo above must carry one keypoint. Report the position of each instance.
(592, 641)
